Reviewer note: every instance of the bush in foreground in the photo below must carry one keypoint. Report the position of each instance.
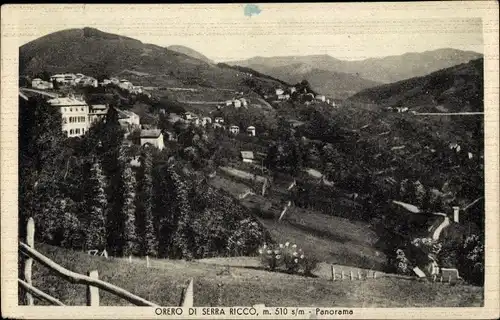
(287, 257)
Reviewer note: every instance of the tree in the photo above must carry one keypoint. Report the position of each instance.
(145, 225)
(41, 159)
(129, 232)
(172, 213)
(97, 207)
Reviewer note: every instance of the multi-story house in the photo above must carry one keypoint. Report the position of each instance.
(75, 120)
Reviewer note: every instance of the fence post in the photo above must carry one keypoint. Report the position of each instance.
(359, 275)
(350, 274)
(342, 274)
(93, 292)
(374, 274)
(333, 273)
(147, 261)
(130, 259)
(30, 241)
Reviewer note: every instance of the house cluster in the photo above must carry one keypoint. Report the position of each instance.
(217, 123)
(237, 103)
(124, 84)
(73, 79)
(397, 109)
(78, 117)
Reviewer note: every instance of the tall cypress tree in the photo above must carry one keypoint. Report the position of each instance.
(97, 206)
(41, 156)
(145, 223)
(129, 232)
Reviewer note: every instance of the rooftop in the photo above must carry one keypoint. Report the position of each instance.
(98, 106)
(151, 133)
(67, 101)
(247, 154)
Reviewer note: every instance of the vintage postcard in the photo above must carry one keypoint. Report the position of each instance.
(222, 161)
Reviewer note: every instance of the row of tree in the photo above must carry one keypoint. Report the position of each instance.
(83, 193)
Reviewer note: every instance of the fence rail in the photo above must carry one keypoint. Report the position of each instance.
(91, 280)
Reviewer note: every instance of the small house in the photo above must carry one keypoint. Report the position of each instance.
(244, 102)
(229, 103)
(247, 156)
(320, 97)
(251, 131)
(188, 116)
(217, 125)
(234, 129)
(236, 103)
(152, 137)
(279, 91)
(206, 120)
(219, 120)
(292, 90)
(128, 119)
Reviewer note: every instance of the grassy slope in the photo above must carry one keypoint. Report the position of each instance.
(163, 284)
(459, 88)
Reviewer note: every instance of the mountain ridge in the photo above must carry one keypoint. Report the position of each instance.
(379, 70)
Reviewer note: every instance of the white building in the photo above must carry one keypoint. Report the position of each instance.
(206, 120)
(66, 78)
(136, 89)
(279, 91)
(128, 119)
(152, 137)
(236, 103)
(244, 102)
(219, 120)
(38, 83)
(247, 156)
(125, 84)
(75, 121)
(229, 103)
(251, 131)
(292, 90)
(320, 97)
(234, 129)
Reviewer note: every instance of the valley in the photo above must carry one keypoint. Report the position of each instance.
(160, 152)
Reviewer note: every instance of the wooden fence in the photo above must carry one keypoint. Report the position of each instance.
(91, 280)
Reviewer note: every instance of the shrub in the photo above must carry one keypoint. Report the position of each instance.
(287, 257)
(402, 263)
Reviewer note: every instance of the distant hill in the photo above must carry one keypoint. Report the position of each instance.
(459, 88)
(383, 70)
(96, 53)
(338, 85)
(190, 52)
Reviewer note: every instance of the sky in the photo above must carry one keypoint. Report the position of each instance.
(224, 33)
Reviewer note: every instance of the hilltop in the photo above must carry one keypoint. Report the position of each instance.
(455, 89)
(100, 54)
(377, 70)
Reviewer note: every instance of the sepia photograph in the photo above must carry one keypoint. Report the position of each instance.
(251, 157)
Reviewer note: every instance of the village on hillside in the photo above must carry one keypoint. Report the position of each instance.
(220, 181)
